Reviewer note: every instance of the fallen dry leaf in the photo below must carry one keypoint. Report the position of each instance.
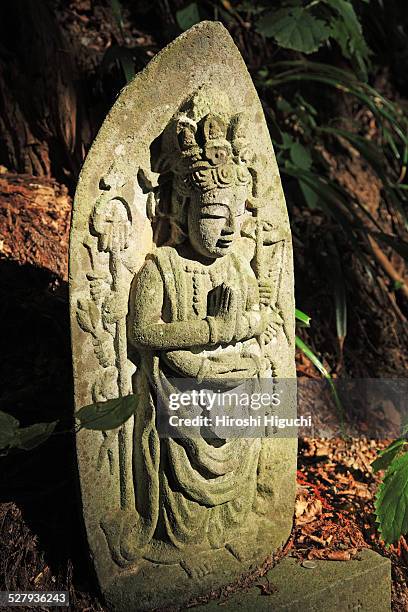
(331, 555)
(307, 509)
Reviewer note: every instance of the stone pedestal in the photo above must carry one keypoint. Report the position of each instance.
(361, 585)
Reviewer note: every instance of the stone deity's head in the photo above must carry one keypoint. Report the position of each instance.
(214, 220)
(212, 180)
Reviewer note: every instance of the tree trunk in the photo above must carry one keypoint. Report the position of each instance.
(38, 100)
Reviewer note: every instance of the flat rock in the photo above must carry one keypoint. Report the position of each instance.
(363, 584)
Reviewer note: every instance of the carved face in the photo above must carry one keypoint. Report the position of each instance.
(215, 219)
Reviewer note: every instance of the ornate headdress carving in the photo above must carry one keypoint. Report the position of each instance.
(201, 151)
(211, 154)
(206, 151)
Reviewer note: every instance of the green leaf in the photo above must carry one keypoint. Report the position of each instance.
(306, 350)
(340, 302)
(313, 358)
(124, 56)
(128, 67)
(303, 317)
(28, 438)
(336, 277)
(348, 33)
(283, 105)
(342, 80)
(294, 28)
(287, 140)
(103, 416)
(300, 156)
(386, 456)
(345, 9)
(391, 503)
(188, 16)
(8, 428)
(311, 197)
(117, 12)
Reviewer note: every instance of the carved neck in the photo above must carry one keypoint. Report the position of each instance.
(186, 252)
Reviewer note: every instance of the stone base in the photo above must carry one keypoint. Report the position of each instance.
(155, 586)
(363, 584)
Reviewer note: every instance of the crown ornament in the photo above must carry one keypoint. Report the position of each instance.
(211, 153)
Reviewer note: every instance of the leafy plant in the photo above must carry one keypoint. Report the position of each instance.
(188, 16)
(301, 161)
(307, 351)
(305, 27)
(12, 436)
(294, 27)
(122, 55)
(104, 416)
(297, 25)
(391, 503)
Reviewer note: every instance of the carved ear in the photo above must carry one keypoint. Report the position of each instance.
(257, 200)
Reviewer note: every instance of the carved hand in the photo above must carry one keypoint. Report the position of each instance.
(265, 292)
(258, 322)
(224, 303)
(275, 321)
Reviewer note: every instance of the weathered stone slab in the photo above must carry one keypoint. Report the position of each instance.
(181, 268)
(361, 585)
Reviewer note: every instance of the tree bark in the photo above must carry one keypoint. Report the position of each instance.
(38, 100)
(34, 222)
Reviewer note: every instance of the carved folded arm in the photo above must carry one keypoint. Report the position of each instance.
(178, 335)
(146, 328)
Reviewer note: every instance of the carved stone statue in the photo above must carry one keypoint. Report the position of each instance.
(181, 270)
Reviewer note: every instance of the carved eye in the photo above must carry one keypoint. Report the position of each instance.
(214, 211)
(212, 216)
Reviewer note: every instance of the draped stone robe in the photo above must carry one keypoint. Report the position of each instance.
(188, 491)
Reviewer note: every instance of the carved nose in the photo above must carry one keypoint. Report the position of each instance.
(230, 227)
